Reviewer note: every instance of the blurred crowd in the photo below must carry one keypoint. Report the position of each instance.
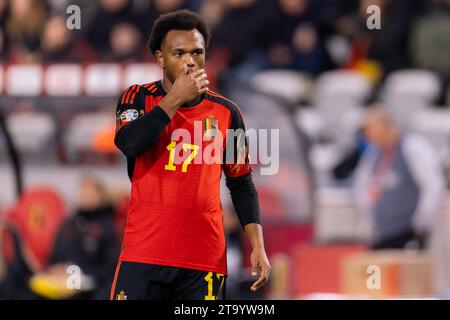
(248, 35)
(397, 178)
(87, 239)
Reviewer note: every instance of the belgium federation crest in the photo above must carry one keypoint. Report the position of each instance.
(210, 127)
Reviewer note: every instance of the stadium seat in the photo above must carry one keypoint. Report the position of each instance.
(86, 134)
(317, 126)
(337, 219)
(434, 124)
(24, 80)
(328, 141)
(311, 122)
(141, 73)
(103, 79)
(338, 98)
(409, 91)
(323, 158)
(36, 218)
(420, 85)
(63, 80)
(291, 182)
(292, 86)
(345, 86)
(33, 133)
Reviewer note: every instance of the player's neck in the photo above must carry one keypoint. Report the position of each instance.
(166, 84)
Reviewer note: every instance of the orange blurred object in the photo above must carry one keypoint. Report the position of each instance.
(103, 141)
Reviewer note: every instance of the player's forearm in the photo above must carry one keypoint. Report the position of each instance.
(170, 104)
(245, 199)
(139, 135)
(255, 235)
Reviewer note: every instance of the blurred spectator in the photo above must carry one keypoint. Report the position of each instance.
(238, 38)
(15, 283)
(125, 43)
(305, 53)
(430, 40)
(399, 181)
(88, 239)
(286, 15)
(24, 25)
(149, 11)
(109, 13)
(58, 44)
(3, 53)
(389, 44)
(212, 12)
(3, 12)
(349, 162)
(88, 9)
(293, 39)
(236, 33)
(270, 34)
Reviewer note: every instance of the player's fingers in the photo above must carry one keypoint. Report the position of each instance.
(254, 267)
(202, 83)
(264, 275)
(261, 280)
(266, 272)
(257, 284)
(198, 73)
(201, 77)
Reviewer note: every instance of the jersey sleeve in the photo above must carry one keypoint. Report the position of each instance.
(136, 129)
(130, 106)
(236, 156)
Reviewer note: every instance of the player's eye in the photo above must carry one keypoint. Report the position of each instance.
(178, 54)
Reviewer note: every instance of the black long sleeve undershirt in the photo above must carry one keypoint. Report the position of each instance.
(136, 137)
(245, 198)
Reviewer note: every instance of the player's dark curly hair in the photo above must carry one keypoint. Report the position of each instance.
(176, 20)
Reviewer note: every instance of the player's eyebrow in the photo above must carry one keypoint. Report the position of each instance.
(197, 49)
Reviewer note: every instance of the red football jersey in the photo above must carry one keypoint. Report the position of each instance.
(175, 214)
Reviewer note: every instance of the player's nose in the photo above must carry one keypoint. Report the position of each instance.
(190, 61)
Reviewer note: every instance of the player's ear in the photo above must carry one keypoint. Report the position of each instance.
(159, 58)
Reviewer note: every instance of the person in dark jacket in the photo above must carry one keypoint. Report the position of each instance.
(88, 239)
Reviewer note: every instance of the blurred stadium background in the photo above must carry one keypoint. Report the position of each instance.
(307, 67)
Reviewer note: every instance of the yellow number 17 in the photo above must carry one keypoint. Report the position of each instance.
(186, 146)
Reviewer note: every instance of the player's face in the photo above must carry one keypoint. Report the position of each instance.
(179, 49)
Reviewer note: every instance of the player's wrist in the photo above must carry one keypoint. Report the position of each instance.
(170, 104)
(259, 247)
(174, 100)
